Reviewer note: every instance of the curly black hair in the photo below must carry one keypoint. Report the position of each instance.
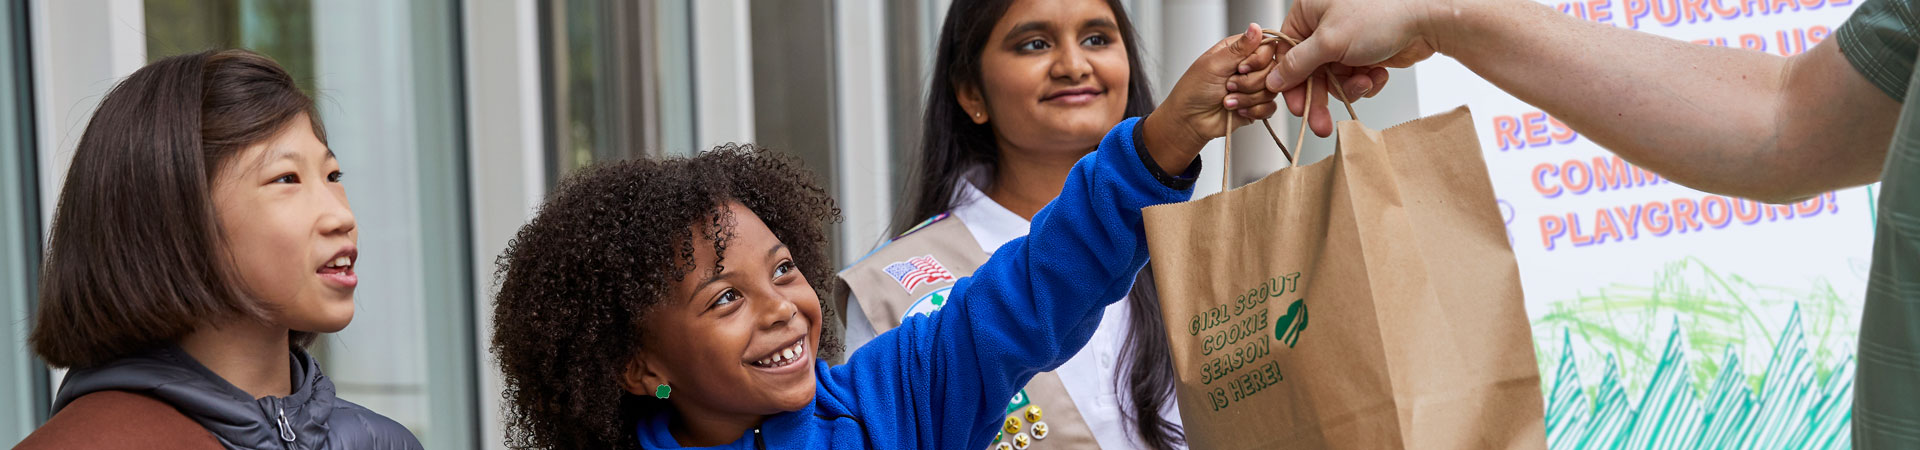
(576, 282)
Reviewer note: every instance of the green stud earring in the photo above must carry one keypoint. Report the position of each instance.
(663, 391)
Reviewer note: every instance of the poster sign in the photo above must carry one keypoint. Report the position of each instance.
(1665, 316)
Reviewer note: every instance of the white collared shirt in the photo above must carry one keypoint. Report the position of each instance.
(1089, 374)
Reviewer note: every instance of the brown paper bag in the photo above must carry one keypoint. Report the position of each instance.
(1368, 301)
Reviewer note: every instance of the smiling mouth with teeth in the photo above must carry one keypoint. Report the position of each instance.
(784, 357)
(340, 268)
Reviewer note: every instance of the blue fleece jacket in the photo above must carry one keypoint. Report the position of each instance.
(942, 381)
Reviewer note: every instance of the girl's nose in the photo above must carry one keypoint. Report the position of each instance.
(781, 311)
(336, 218)
(1071, 63)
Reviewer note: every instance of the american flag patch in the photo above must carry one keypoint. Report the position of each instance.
(917, 271)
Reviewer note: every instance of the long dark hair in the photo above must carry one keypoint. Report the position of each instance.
(135, 260)
(951, 144)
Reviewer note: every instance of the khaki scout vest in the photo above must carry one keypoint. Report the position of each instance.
(887, 302)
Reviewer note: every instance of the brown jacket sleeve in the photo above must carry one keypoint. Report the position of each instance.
(112, 420)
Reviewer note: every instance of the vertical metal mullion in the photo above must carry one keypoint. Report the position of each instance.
(907, 79)
(645, 108)
(553, 74)
(441, 88)
(672, 44)
(611, 136)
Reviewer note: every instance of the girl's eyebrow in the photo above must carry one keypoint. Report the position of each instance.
(273, 153)
(1024, 27)
(711, 278)
(280, 152)
(283, 152)
(715, 277)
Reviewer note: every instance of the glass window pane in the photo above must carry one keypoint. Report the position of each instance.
(23, 380)
(279, 28)
(620, 81)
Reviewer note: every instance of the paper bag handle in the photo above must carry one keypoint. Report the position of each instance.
(1333, 84)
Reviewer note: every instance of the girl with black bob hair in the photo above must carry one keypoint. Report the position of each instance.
(202, 239)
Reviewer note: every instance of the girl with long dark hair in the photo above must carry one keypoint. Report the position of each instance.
(1020, 90)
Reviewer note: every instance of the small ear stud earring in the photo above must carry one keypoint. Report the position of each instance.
(663, 391)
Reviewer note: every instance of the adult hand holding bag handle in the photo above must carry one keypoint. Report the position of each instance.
(1369, 301)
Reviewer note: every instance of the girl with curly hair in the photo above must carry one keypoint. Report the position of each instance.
(667, 304)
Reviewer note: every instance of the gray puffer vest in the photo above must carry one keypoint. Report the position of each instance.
(309, 419)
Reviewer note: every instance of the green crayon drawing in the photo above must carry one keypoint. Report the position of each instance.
(1695, 389)
(1791, 408)
(1716, 310)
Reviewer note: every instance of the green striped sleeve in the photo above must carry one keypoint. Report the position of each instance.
(1881, 40)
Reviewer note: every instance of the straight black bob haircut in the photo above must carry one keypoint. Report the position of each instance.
(136, 259)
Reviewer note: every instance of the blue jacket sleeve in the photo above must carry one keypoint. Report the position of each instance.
(943, 381)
